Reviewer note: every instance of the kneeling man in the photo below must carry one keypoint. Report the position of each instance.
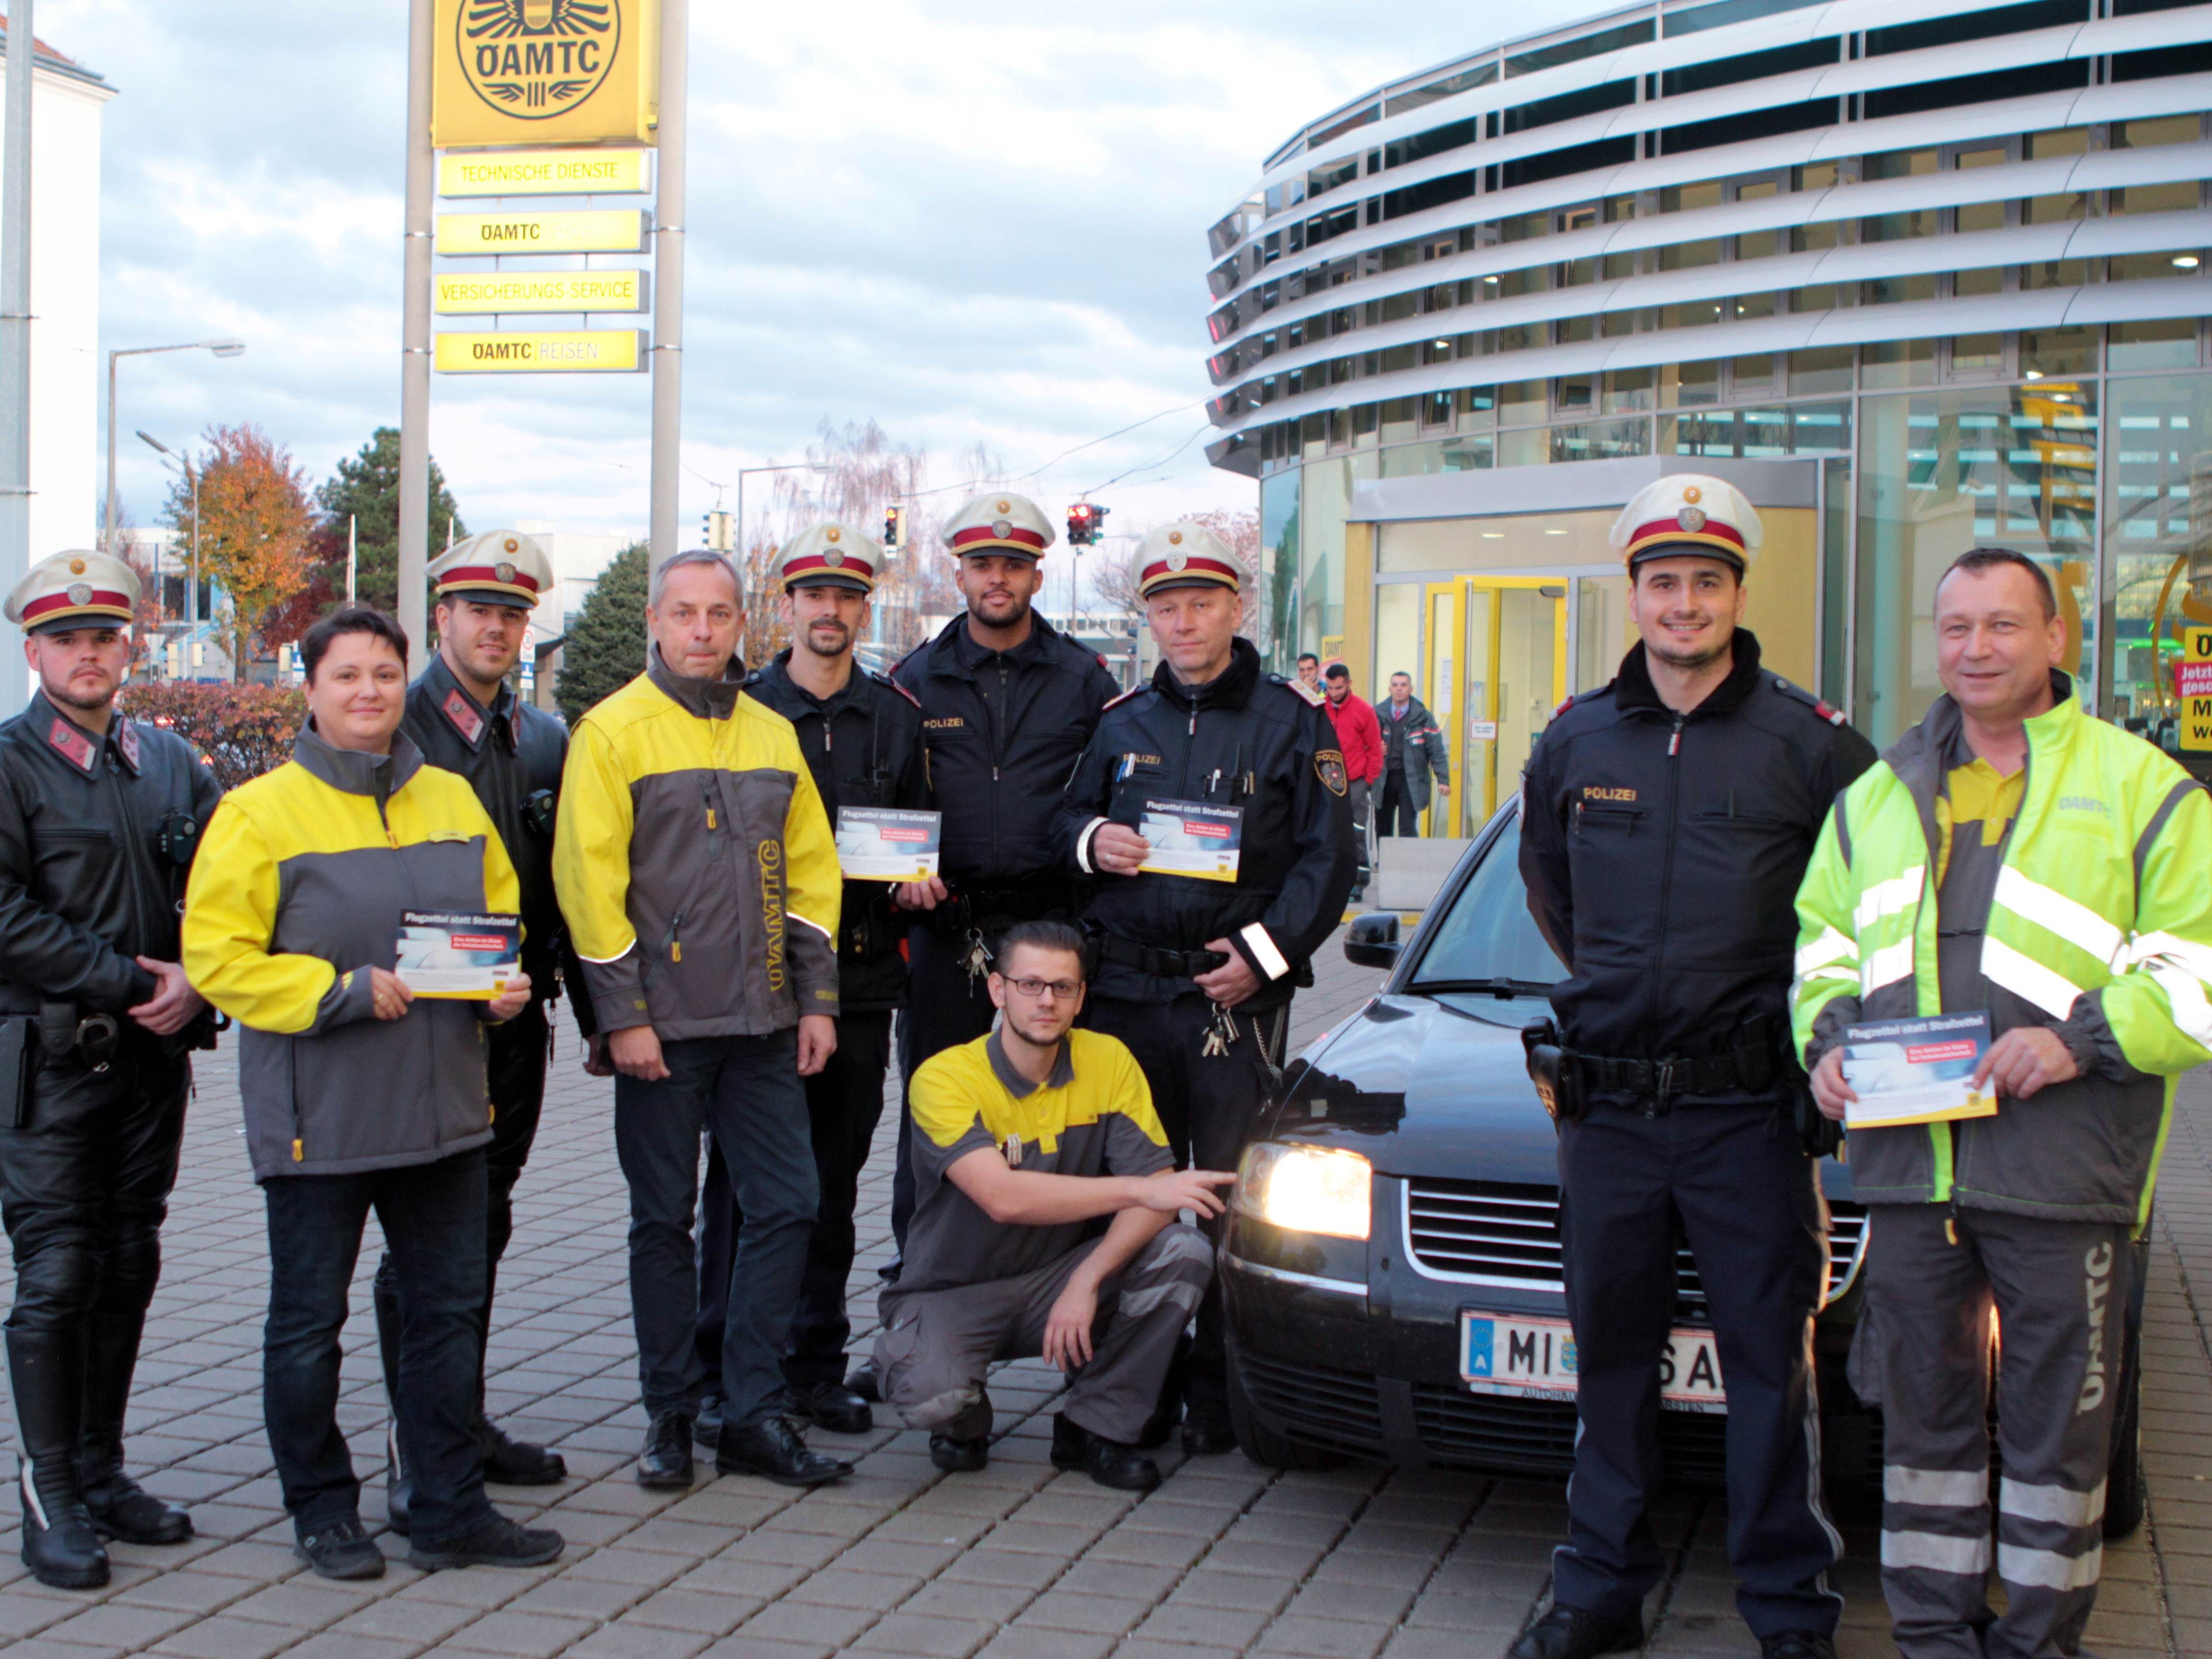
(1025, 1140)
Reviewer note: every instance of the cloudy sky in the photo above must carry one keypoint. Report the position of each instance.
(965, 219)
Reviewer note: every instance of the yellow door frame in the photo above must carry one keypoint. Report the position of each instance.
(1457, 597)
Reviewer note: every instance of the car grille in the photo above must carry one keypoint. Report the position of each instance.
(1316, 1405)
(1537, 1437)
(1504, 1233)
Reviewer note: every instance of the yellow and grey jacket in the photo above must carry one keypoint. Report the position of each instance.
(2088, 911)
(695, 863)
(296, 893)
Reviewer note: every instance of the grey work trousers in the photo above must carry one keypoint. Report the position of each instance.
(936, 1346)
(2061, 1290)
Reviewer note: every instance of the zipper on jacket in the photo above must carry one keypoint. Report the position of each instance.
(1666, 874)
(674, 944)
(707, 795)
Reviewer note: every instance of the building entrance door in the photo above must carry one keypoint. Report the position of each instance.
(1494, 668)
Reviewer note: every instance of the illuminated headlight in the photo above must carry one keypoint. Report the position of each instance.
(1306, 1189)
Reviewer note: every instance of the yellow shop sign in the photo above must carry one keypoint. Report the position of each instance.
(613, 230)
(595, 350)
(463, 293)
(545, 72)
(542, 173)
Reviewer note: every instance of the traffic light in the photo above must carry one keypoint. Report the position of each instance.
(894, 528)
(719, 530)
(1086, 521)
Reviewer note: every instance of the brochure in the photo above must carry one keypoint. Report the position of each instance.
(444, 953)
(1191, 838)
(887, 843)
(1916, 1070)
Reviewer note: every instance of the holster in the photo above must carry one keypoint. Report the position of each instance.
(1558, 1084)
(19, 1057)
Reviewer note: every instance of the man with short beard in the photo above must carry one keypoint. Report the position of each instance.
(861, 736)
(1007, 704)
(465, 717)
(1668, 819)
(100, 817)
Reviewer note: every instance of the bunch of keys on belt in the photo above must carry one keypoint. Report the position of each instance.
(978, 959)
(1220, 1032)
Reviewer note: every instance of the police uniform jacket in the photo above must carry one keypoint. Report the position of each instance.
(84, 886)
(1662, 854)
(864, 747)
(511, 754)
(299, 890)
(1248, 739)
(1003, 731)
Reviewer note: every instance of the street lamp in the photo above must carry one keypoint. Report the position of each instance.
(191, 478)
(221, 348)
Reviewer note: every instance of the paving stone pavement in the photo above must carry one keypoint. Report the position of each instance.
(1019, 1562)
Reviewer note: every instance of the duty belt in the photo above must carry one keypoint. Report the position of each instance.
(1150, 959)
(1658, 1079)
(1004, 906)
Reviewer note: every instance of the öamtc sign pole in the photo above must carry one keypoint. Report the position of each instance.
(668, 285)
(415, 336)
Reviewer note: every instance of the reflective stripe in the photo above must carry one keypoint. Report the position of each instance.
(1886, 967)
(2185, 1002)
(1935, 1553)
(1887, 898)
(1083, 848)
(2073, 922)
(1263, 949)
(2189, 957)
(2062, 1504)
(1830, 946)
(1950, 1489)
(2028, 978)
(2047, 1569)
(810, 923)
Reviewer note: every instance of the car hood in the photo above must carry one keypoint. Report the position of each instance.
(1422, 1085)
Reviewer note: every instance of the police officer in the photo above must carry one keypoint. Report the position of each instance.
(99, 818)
(465, 717)
(1668, 818)
(1196, 975)
(861, 735)
(1007, 704)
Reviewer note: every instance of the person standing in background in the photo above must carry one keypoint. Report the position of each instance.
(1412, 749)
(1361, 738)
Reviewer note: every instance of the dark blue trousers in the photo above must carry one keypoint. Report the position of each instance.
(1737, 1183)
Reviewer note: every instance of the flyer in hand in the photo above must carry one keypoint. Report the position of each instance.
(1192, 838)
(1916, 1070)
(887, 843)
(446, 953)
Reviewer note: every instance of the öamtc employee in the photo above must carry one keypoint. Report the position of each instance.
(357, 1093)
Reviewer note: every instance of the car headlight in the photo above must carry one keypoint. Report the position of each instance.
(1306, 1189)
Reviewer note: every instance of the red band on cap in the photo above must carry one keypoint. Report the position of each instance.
(100, 596)
(1727, 532)
(1193, 565)
(983, 532)
(482, 575)
(854, 566)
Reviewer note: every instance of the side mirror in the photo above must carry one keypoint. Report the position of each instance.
(1373, 940)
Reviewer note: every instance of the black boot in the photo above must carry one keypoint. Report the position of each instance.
(399, 1484)
(511, 1462)
(1109, 1463)
(119, 1506)
(60, 1545)
(832, 1405)
(772, 1450)
(665, 1463)
(1576, 1633)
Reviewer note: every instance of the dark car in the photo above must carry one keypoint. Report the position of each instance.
(1391, 1266)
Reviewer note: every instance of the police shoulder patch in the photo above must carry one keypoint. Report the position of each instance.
(1565, 703)
(1116, 702)
(886, 679)
(1798, 693)
(1328, 766)
(1303, 690)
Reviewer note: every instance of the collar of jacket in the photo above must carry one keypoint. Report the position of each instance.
(710, 700)
(779, 672)
(439, 680)
(1924, 755)
(354, 771)
(40, 714)
(959, 652)
(1231, 688)
(1633, 688)
(1002, 1068)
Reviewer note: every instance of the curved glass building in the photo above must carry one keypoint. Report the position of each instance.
(1916, 277)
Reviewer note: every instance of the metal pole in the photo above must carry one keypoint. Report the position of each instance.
(668, 283)
(16, 343)
(192, 586)
(415, 333)
(353, 552)
(107, 529)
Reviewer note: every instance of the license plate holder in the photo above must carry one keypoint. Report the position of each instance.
(1532, 1357)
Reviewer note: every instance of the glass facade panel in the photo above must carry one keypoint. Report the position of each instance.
(1279, 555)
(1941, 472)
(2153, 345)
(2155, 450)
(1397, 635)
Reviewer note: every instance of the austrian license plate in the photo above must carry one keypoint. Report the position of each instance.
(1534, 1358)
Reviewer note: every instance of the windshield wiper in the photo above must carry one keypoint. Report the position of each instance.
(1500, 988)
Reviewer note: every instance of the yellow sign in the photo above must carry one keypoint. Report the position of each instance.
(618, 230)
(2192, 677)
(596, 350)
(463, 294)
(545, 72)
(541, 173)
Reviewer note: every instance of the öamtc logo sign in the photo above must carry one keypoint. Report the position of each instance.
(539, 71)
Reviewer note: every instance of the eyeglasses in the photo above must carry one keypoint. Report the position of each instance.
(1061, 990)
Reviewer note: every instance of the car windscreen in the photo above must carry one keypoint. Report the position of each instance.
(1487, 938)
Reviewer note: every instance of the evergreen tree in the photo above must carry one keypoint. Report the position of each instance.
(607, 647)
(367, 487)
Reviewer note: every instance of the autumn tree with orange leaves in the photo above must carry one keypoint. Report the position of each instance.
(257, 519)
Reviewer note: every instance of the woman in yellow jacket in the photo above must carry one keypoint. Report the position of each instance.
(359, 1094)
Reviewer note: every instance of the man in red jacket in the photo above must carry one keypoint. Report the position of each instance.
(1361, 739)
